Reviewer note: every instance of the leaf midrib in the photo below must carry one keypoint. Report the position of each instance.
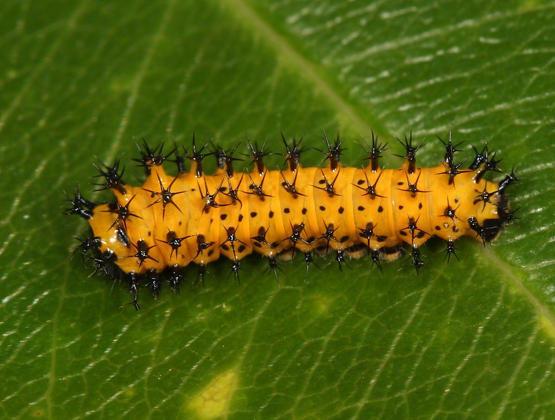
(508, 273)
(304, 66)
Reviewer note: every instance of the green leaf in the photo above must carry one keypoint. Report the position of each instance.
(82, 81)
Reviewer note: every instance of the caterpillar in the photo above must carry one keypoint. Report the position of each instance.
(172, 221)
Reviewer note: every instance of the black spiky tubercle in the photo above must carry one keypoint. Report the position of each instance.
(104, 263)
(451, 167)
(225, 159)
(80, 205)
(416, 259)
(410, 153)
(333, 151)
(112, 176)
(151, 157)
(179, 161)
(257, 154)
(175, 277)
(484, 162)
(196, 157)
(90, 243)
(292, 152)
(374, 152)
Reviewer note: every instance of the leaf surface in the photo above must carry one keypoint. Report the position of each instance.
(82, 82)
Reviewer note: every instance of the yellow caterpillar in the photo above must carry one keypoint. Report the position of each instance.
(172, 221)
